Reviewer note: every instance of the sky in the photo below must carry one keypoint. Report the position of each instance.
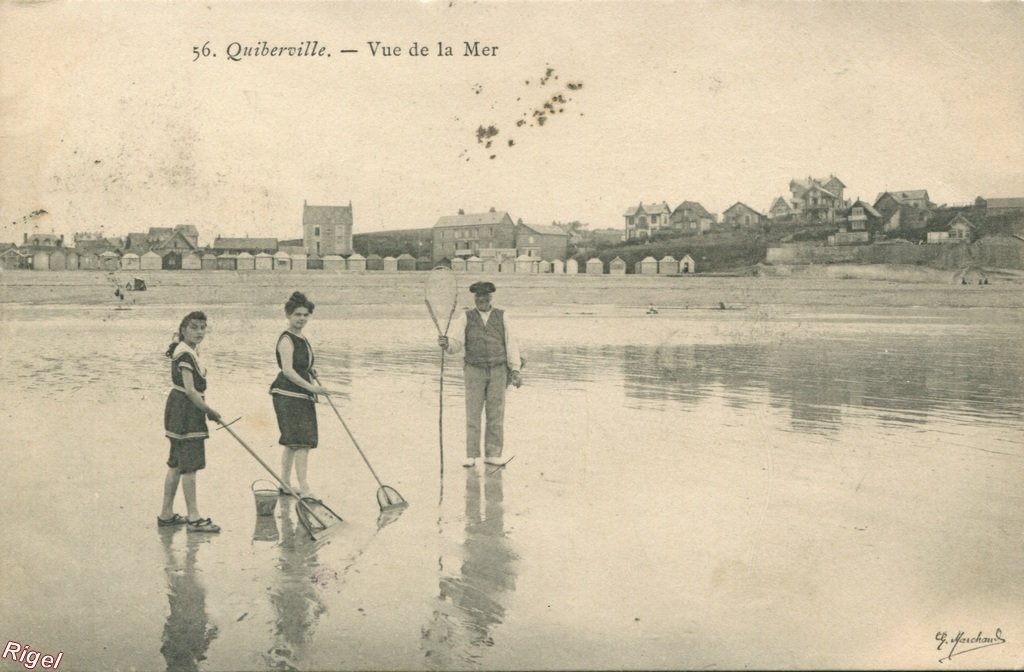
(108, 123)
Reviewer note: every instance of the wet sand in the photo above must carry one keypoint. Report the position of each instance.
(822, 475)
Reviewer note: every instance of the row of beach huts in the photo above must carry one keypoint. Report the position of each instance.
(68, 259)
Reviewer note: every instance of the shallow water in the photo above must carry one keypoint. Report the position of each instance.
(692, 489)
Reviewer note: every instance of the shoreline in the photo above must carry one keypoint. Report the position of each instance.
(780, 290)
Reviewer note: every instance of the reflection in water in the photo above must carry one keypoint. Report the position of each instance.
(296, 598)
(900, 379)
(471, 605)
(187, 634)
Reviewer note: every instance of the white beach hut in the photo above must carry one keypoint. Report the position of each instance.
(334, 262)
(668, 265)
(151, 261)
(459, 264)
(130, 262)
(246, 262)
(299, 261)
(686, 265)
(356, 262)
(595, 266)
(191, 261)
(474, 265)
(572, 267)
(558, 266)
(648, 266)
(617, 266)
(282, 261)
(263, 262)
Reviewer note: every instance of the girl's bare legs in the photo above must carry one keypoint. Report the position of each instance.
(287, 458)
(170, 490)
(188, 486)
(301, 462)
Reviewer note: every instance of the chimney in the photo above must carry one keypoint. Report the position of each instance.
(461, 211)
(492, 208)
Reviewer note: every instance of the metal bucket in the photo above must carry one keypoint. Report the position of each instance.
(265, 493)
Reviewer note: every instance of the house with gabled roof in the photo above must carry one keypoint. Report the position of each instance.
(327, 229)
(691, 217)
(817, 200)
(643, 220)
(917, 198)
(543, 241)
(780, 210)
(742, 216)
(960, 229)
(475, 234)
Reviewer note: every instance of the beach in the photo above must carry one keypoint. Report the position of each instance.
(784, 472)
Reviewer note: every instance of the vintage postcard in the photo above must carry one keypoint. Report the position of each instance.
(431, 335)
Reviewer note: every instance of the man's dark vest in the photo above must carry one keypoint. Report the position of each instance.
(485, 343)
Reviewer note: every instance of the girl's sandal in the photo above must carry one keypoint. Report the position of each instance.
(173, 521)
(203, 525)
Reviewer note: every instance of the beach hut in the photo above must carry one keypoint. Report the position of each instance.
(389, 264)
(130, 262)
(314, 262)
(227, 262)
(544, 266)
(109, 261)
(507, 265)
(58, 260)
(282, 261)
(89, 261)
(526, 264)
(11, 259)
(459, 264)
(490, 265)
(334, 262)
(356, 262)
(617, 266)
(558, 266)
(686, 265)
(171, 260)
(595, 266)
(151, 261)
(572, 267)
(424, 264)
(245, 262)
(668, 265)
(374, 262)
(191, 261)
(263, 262)
(648, 266)
(474, 265)
(299, 261)
(209, 262)
(406, 262)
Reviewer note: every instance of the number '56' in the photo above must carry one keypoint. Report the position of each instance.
(201, 51)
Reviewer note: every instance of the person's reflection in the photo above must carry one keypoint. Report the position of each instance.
(471, 604)
(187, 632)
(296, 597)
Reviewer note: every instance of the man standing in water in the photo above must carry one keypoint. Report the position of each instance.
(492, 362)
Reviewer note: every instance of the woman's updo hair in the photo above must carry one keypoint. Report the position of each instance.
(179, 335)
(298, 300)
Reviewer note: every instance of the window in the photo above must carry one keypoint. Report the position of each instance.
(531, 240)
(858, 212)
(316, 230)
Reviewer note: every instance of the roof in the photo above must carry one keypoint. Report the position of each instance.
(245, 243)
(905, 195)
(546, 229)
(651, 208)
(867, 208)
(781, 200)
(1005, 203)
(741, 205)
(475, 219)
(327, 214)
(694, 205)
